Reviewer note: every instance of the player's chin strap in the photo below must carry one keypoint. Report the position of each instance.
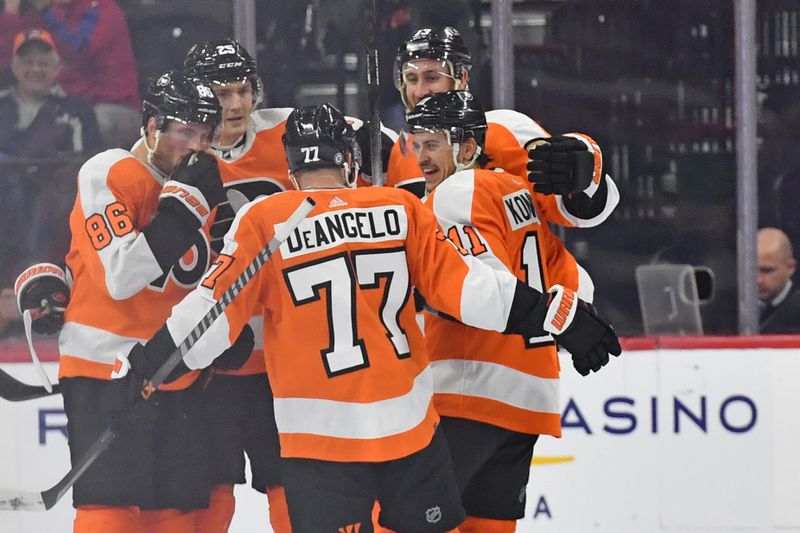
(456, 147)
(27, 320)
(151, 151)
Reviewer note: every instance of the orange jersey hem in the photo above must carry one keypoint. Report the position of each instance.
(75, 367)
(309, 446)
(497, 414)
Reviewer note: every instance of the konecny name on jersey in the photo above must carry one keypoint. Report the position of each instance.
(325, 231)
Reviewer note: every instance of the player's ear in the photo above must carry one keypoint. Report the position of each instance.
(467, 150)
(463, 83)
(152, 126)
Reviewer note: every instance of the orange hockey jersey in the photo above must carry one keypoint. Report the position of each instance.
(120, 295)
(345, 357)
(255, 168)
(503, 380)
(507, 133)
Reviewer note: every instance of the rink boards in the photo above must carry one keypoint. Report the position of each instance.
(675, 435)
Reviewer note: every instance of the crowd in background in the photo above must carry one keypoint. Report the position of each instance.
(71, 72)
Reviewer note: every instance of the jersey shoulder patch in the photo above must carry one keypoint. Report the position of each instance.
(522, 126)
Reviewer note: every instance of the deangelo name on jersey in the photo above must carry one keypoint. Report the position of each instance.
(519, 209)
(372, 224)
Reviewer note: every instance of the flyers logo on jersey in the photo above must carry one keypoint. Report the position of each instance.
(519, 209)
(351, 528)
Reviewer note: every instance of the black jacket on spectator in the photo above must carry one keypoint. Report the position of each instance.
(63, 125)
(784, 317)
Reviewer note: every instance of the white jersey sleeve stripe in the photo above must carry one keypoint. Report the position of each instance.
(611, 203)
(128, 263)
(93, 344)
(521, 126)
(452, 205)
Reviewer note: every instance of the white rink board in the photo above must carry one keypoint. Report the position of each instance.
(618, 468)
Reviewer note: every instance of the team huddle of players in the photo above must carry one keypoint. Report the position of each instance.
(351, 418)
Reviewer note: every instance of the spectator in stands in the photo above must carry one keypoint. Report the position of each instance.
(93, 40)
(39, 125)
(39, 120)
(779, 302)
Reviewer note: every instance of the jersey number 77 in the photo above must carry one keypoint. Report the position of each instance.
(342, 275)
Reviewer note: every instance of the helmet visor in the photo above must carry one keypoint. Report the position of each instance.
(423, 70)
(413, 138)
(190, 135)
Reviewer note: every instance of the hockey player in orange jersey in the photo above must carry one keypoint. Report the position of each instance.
(347, 362)
(574, 192)
(138, 246)
(495, 393)
(252, 164)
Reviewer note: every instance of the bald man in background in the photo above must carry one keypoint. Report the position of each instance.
(778, 300)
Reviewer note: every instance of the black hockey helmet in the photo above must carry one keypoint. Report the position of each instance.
(223, 61)
(456, 112)
(443, 44)
(173, 96)
(318, 136)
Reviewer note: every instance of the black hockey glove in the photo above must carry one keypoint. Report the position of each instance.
(184, 205)
(137, 417)
(145, 360)
(364, 142)
(237, 355)
(42, 288)
(580, 330)
(564, 164)
(201, 170)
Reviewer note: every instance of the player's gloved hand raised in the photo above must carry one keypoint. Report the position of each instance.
(364, 142)
(577, 327)
(42, 288)
(193, 190)
(201, 170)
(565, 164)
(237, 355)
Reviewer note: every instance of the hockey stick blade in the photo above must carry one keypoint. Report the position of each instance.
(26, 501)
(13, 390)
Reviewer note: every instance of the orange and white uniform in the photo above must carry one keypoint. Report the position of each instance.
(120, 296)
(345, 357)
(502, 380)
(506, 135)
(255, 168)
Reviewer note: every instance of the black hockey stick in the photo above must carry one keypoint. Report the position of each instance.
(14, 390)
(374, 96)
(16, 500)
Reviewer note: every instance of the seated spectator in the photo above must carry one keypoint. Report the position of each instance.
(39, 124)
(39, 120)
(94, 43)
(779, 302)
